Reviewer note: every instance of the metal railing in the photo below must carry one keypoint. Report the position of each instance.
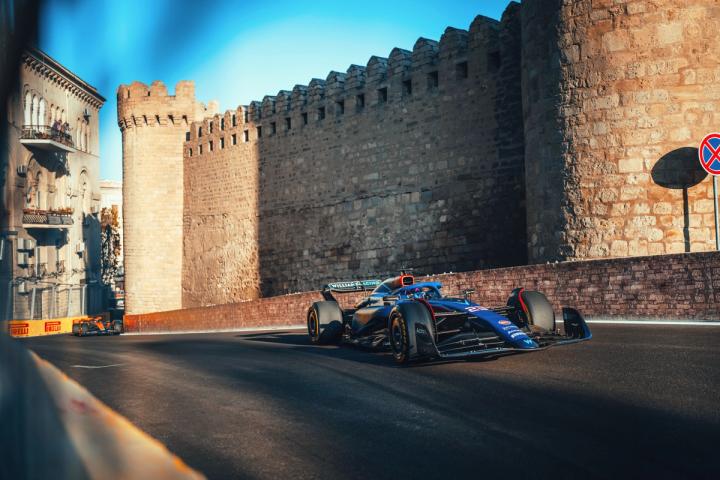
(44, 300)
(46, 217)
(46, 132)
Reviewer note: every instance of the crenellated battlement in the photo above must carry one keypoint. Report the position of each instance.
(140, 105)
(404, 76)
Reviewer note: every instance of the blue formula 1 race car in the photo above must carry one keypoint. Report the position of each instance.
(418, 323)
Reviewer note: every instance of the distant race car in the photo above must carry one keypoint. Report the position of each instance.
(418, 323)
(97, 326)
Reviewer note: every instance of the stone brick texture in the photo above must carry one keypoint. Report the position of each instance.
(566, 131)
(430, 177)
(154, 125)
(611, 135)
(680, 286)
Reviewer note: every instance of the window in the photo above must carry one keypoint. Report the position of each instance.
(461, 70)
(210, 146)
(432, 80)
(246, 135)
(34, 113)
(246, 116)
(189, 152)
(288, 123)
(28, 110)
(304, 118)
(382, 95)
(222, 124)
(234, 139)
(259, 132)
(340, 107)
(321, 113)
(407, 87)
(360, 101)
(222, 143)
(234, 120)
(273, 128)
(187, 136)
(199, 131)
(199, 149)
(210, 127)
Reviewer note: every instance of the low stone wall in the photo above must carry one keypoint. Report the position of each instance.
(673, 287)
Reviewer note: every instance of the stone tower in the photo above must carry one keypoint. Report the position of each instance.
(616, 98)
(154, 126)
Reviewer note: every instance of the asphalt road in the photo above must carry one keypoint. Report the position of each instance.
(636, 401)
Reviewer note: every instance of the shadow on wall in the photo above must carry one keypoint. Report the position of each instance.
(94, 299)
(680, 169)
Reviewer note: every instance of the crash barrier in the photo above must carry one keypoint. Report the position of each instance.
(677, 287)
(53, 326)
(54, 428)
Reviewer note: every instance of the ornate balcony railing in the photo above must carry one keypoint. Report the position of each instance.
(34, 218)
(43, 134)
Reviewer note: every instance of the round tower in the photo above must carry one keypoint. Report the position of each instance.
(616, 98)
(154, 126)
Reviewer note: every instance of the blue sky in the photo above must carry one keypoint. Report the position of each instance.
(236, 51)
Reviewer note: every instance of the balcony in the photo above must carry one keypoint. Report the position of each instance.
(60, 218)
(46, 137)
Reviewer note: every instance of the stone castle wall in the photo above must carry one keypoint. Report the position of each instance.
(154, 125)
(566, 131)
(418, 161)
(611, 135)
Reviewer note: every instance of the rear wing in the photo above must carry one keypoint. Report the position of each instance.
(348, 287)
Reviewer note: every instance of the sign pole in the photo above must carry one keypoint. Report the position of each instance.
(717, 225)
(709, 156)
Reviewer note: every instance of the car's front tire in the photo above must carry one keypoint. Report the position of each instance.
(399, 337)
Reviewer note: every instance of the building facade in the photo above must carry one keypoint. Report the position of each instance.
(565, 131)
(50, 235)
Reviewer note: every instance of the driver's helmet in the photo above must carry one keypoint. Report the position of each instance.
(417, 293)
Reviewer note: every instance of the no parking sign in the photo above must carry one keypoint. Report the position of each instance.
(709, 155)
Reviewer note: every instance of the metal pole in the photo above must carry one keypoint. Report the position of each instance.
(717, 225)
(32, 304)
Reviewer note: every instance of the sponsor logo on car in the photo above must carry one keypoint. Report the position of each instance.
(53, 326)
(505, 322)
(475, 308)
(518, 334)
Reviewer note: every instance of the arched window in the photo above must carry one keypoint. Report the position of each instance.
(27, 110)
(41, 113)
(84, 196)
(77, 134)
(85, 137)
(34, 113)
(40, 191)
(63, 117)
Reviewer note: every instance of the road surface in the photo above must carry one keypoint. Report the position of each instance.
(636, 401)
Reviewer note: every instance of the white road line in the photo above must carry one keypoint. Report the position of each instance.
(657, 322)
(281, 328)
(98, 366)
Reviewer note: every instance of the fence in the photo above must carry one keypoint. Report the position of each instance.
(44, 300)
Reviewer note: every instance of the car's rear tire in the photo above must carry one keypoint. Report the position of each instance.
(84, 329)
(324, 322)
(399, 337)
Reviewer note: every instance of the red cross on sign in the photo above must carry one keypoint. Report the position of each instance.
(709, 153)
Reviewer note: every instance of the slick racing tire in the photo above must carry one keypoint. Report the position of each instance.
(324, 323)
(399, 337)
(84, 329)
(533, 310)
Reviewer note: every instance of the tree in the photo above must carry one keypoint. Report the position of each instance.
(110, 244)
